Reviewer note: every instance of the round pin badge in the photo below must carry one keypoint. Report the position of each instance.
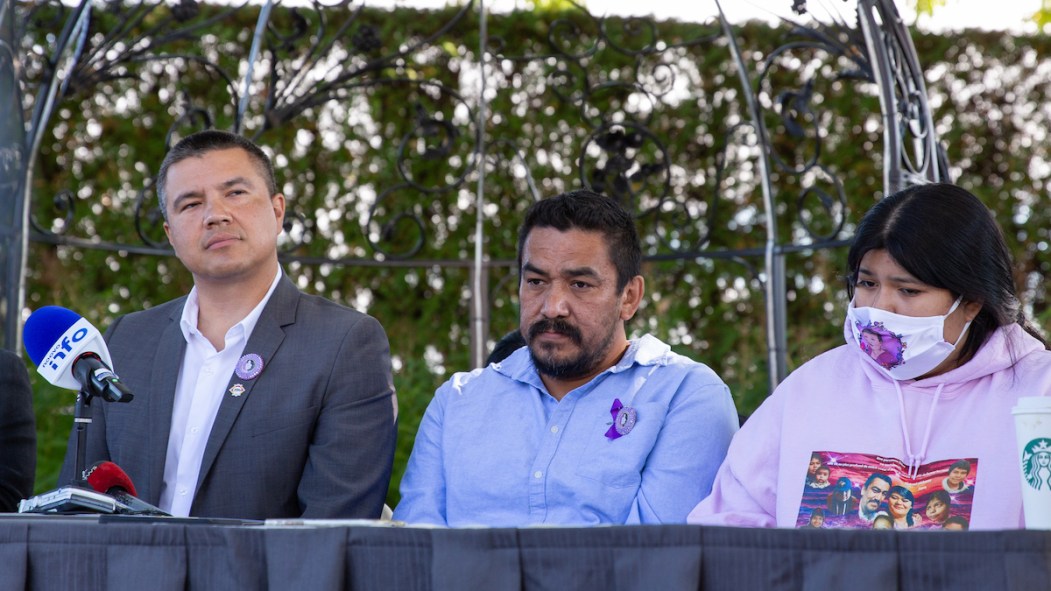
(249, 366)
(625, 420)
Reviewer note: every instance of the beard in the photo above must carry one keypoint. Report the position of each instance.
(577, 366)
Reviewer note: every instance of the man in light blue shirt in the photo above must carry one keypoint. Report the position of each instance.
(582, 426)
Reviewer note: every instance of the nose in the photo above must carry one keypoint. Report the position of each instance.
(555, 302)
(881, 298)
(216, 212)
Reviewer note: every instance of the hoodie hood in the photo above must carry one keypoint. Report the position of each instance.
(1002, 350)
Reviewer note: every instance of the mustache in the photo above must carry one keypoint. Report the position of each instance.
(556, 325)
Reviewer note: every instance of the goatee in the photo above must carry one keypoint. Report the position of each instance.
(570, 368)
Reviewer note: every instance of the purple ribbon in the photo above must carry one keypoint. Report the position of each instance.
(624, 418)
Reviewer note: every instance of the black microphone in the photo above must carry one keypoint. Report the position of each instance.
(70, 353)
(91, 371)
(107, 477)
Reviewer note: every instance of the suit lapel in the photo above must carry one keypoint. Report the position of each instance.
(264, 341)
(161, 400)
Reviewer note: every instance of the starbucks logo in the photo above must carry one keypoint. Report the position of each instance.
(1036, 463)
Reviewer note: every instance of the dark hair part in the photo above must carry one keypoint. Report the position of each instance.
(964, 464)
(958, 520)
(210, 140)
(589, 211)
(945, 237)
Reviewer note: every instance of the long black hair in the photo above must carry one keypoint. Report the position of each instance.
(945, 237)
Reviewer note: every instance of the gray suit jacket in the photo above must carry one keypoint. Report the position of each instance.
(17, 432)
(312, 435)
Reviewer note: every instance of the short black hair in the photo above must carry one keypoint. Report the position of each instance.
(964, 464)
(210, 140)
(593, 212)
(941, 495)
(874, 476)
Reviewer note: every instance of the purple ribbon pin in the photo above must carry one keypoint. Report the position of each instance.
(624, 418)
(249, 366)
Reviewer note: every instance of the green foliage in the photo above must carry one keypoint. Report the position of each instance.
(345, 158)
(928, 6)
(1042, 17)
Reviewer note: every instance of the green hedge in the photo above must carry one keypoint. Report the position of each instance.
(989, 93)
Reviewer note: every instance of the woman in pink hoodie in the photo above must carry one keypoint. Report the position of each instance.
(929, 270)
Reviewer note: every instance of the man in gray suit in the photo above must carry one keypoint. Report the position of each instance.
(252, 400)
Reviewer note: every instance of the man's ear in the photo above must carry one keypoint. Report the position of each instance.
(632, 297)
(278, 202)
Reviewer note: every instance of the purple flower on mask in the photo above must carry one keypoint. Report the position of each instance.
(624, 418)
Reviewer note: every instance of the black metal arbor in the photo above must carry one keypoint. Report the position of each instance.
(320, 63)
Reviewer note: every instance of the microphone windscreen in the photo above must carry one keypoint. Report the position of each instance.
(104, 476)
(44, 328)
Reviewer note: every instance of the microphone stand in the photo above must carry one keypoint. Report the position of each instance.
(77, 496)
(81, 420)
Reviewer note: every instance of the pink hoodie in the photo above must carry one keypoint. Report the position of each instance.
(862, 423)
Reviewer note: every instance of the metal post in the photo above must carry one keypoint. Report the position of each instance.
(774, 257)
(13, 214)
(479, 272)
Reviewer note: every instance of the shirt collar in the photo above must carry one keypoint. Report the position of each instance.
(645, 350)
(190, 310)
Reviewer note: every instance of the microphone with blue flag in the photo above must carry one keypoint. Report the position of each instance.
(70, 353)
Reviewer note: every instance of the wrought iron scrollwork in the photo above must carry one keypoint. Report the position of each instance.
(913, 154)
(403, 114)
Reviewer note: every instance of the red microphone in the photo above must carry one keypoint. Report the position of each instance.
(109, 478)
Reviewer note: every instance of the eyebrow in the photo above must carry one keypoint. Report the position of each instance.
(237, 180)
(895, 278)
(578, 272)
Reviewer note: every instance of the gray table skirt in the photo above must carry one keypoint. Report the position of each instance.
(52, 552)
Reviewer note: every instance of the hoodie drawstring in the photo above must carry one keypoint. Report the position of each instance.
(916, 459)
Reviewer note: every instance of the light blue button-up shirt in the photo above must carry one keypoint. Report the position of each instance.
(496, 449)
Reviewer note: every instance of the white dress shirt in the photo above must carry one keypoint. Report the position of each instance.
(203, 377)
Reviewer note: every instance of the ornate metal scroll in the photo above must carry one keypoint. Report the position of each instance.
(912, 154)
(421, 123)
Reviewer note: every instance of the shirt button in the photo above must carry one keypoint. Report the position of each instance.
(538, 474)
(182, 491)
(554, 429)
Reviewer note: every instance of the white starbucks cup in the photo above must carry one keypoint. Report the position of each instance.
(1033, 433)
